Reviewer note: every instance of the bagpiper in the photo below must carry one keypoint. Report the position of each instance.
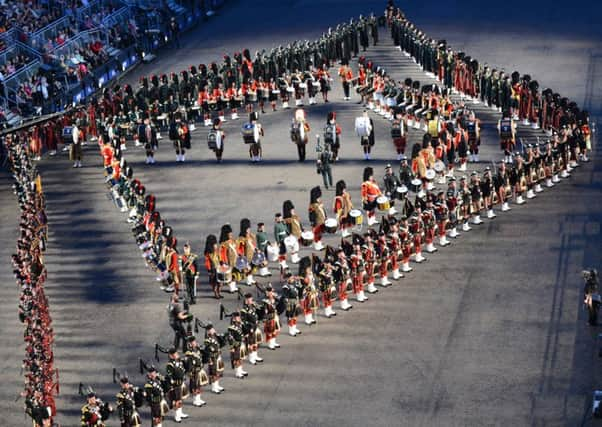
(250, 315)
(212, 353)
(193, 362)
(176, 374)
(235, 338)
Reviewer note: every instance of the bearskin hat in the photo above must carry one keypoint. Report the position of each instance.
(340, 186)
(209, 243)
(368, 172)
(287, 207)
(303, 265)
(245, 224)
(226, 229)
(315, 194)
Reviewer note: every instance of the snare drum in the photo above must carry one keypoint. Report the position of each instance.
(415, 185)
(224, 274)
(291, 243)
(439, 166)
(383, 203)
(430, 174)
(290, 89)
(401, 191)
(258, 258)
(273, 252)
(356, 217)
(241, 263)
(307, 238)
(212, 105)
(331, 225)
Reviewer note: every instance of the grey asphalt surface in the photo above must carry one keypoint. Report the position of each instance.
(490, 331)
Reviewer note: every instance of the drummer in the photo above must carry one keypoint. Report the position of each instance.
(370, 192)
(228, 251)
(317, 216)
(293, 223)
(212, 263)
(392, 184)
(342, 207)
(246, 248)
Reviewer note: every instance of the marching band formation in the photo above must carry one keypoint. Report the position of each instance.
(345, 250)
(371, 244)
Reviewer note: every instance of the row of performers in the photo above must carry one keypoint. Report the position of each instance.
(354, 267)
(517, 94)
(526, 176)
(286, 73)
(38, 369)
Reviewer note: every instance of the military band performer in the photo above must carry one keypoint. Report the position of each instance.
(507, 130)
(394, 248)
(358, 269)
(247, 244)
(405, 238)
(342, 207)
(310, 293)
(212, 263)
(216, 138)
(228, 251)
(473, 129)
(332, 135)
(317, 216)
(212, 353)
(465, 196)
(451, 199)
(476, 197)
(127, 401)
(300, 133)
(93, 412)
(416, 229)
(250, 315)
(383, 254)
(501, 184)
(391, 184)
(342, 277)
(518, 180)
(190, 270)
(369, 258)
(271, 322)
(177, 316)
(193, 362)
(487, 192)
(176, 375)
(290, 291)
(236, 341)
(155, 396)
(293, 223)
(280, 233)
(399, 131)
(370, 192)
(326, 285)
(255, 150)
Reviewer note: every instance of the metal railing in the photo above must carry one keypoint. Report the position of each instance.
(118, 17)
(23, 74)
(40, 38)
(8, 37)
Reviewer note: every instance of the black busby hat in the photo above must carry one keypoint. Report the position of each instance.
(357, 239)
(269, 287)
(315, 194)
(332, 115)
(235, 314)
(216, 121)
(209, 242)
(253, 117)
(226, 229)
(248, 295)
(245, 224)
(124, 380)
(368, 172)
(287, 207)
(172, 350)
(303, 265)
(340, 186)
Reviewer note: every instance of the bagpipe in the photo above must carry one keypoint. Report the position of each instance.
(104, 408)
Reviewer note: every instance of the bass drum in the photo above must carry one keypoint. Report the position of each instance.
(258, 258)
(291, 243)
(415, 185)
(307, 238)
(383, 203)
(356, 217)
(273, 252)
(331, 225)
